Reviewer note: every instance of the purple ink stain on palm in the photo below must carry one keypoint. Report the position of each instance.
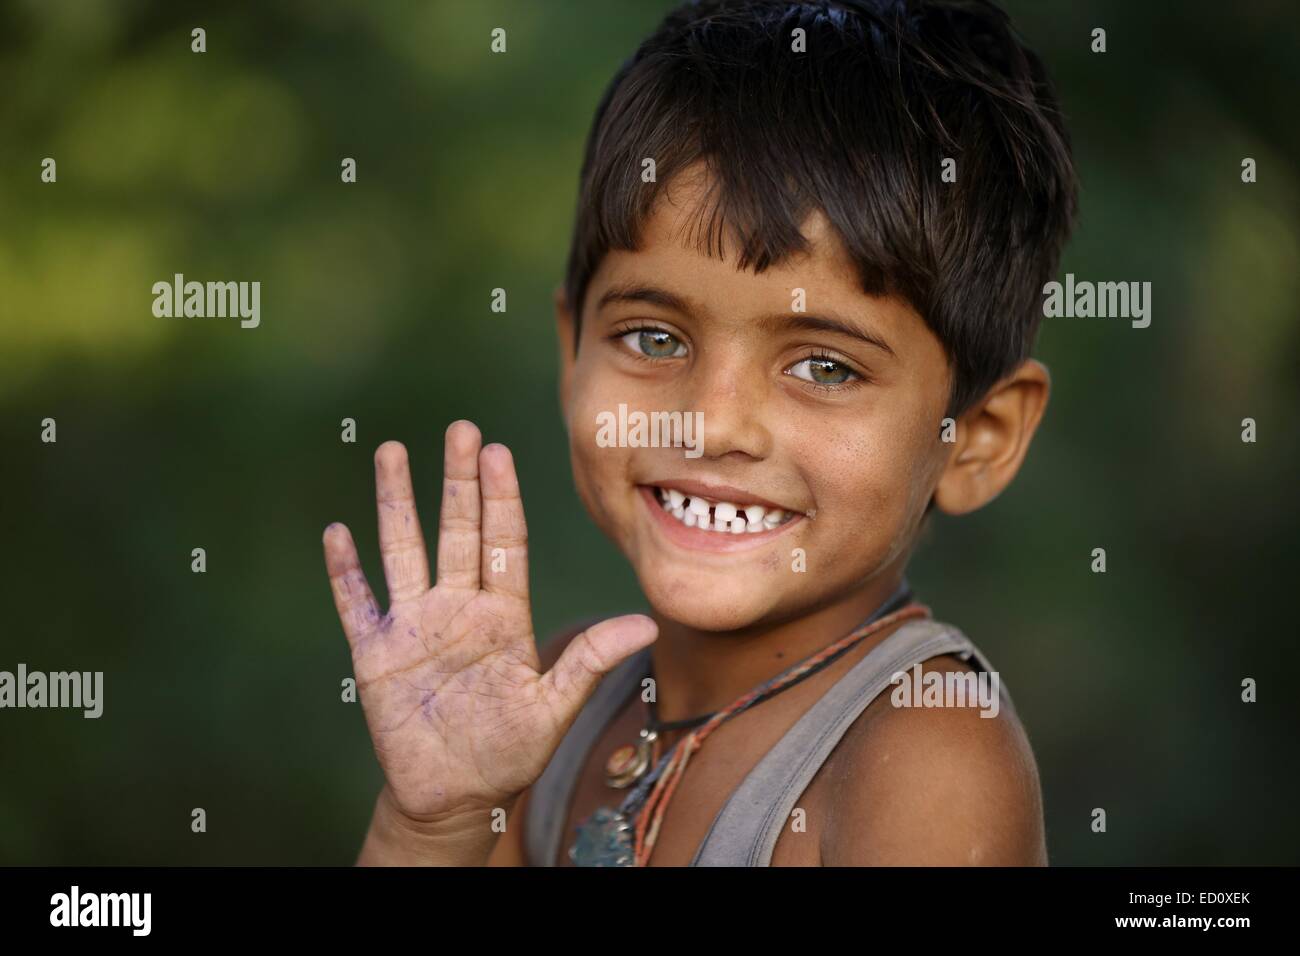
(426, 705)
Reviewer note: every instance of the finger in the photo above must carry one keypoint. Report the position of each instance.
(590, 656)
(406, 564)
(505, 535)
(352, 596)
(458, 522)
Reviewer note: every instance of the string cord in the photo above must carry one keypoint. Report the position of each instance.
(668, 773)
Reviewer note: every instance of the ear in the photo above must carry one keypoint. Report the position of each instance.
(993, 437)
(566, 330)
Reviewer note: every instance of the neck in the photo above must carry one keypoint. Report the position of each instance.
(699, 672)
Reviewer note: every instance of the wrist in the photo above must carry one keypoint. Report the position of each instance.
(464, 838)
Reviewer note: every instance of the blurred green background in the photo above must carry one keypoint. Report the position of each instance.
(222, 689)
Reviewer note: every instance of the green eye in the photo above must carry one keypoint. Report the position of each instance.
(655, 343)
(822, 371)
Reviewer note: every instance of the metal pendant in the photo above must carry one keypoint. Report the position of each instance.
(627, 764)
(604, 839)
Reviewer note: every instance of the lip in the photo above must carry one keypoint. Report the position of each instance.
(696, 539)
(717, 493)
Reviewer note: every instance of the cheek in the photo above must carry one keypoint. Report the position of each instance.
(867, 481)
(593, 390)
(596, 470)
(585, 404)
(587, 461)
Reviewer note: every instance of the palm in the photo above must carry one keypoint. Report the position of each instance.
(459, 715)
(450, 691)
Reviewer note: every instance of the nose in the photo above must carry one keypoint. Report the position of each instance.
(732, 395)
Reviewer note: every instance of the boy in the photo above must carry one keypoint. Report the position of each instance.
(823, 227)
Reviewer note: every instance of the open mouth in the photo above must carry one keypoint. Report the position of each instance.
(722, 517)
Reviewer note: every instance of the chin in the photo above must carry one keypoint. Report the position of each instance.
(705, 602)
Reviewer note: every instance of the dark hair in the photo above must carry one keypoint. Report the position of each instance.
(856, 126)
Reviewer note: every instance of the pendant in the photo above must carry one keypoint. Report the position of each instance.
(604, 839)
(628, 763)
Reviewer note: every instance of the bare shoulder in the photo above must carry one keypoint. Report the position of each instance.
(933, 786)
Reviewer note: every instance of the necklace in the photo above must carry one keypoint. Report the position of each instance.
(628, 763)
(625, 836)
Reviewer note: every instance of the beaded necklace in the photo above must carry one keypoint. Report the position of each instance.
(626, 836)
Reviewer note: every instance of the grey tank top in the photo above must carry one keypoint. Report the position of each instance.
(745, 830)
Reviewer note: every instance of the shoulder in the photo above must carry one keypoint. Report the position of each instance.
(934, 785)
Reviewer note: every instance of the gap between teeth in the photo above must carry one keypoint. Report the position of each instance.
(721, 516)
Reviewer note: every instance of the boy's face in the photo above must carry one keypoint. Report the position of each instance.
(840, 433)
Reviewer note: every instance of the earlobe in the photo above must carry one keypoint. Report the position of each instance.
(993, 438)
(565, 332)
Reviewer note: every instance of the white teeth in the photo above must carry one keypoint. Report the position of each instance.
(722, 516)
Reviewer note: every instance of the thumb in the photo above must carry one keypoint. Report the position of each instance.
(590, 656)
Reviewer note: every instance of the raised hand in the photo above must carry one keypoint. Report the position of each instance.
(460, 718)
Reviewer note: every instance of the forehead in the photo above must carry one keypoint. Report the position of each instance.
(683, 231)
(682, 249)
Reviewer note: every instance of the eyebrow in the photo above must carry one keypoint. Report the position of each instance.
(644, 293)
(792, 320)
(822, 323)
